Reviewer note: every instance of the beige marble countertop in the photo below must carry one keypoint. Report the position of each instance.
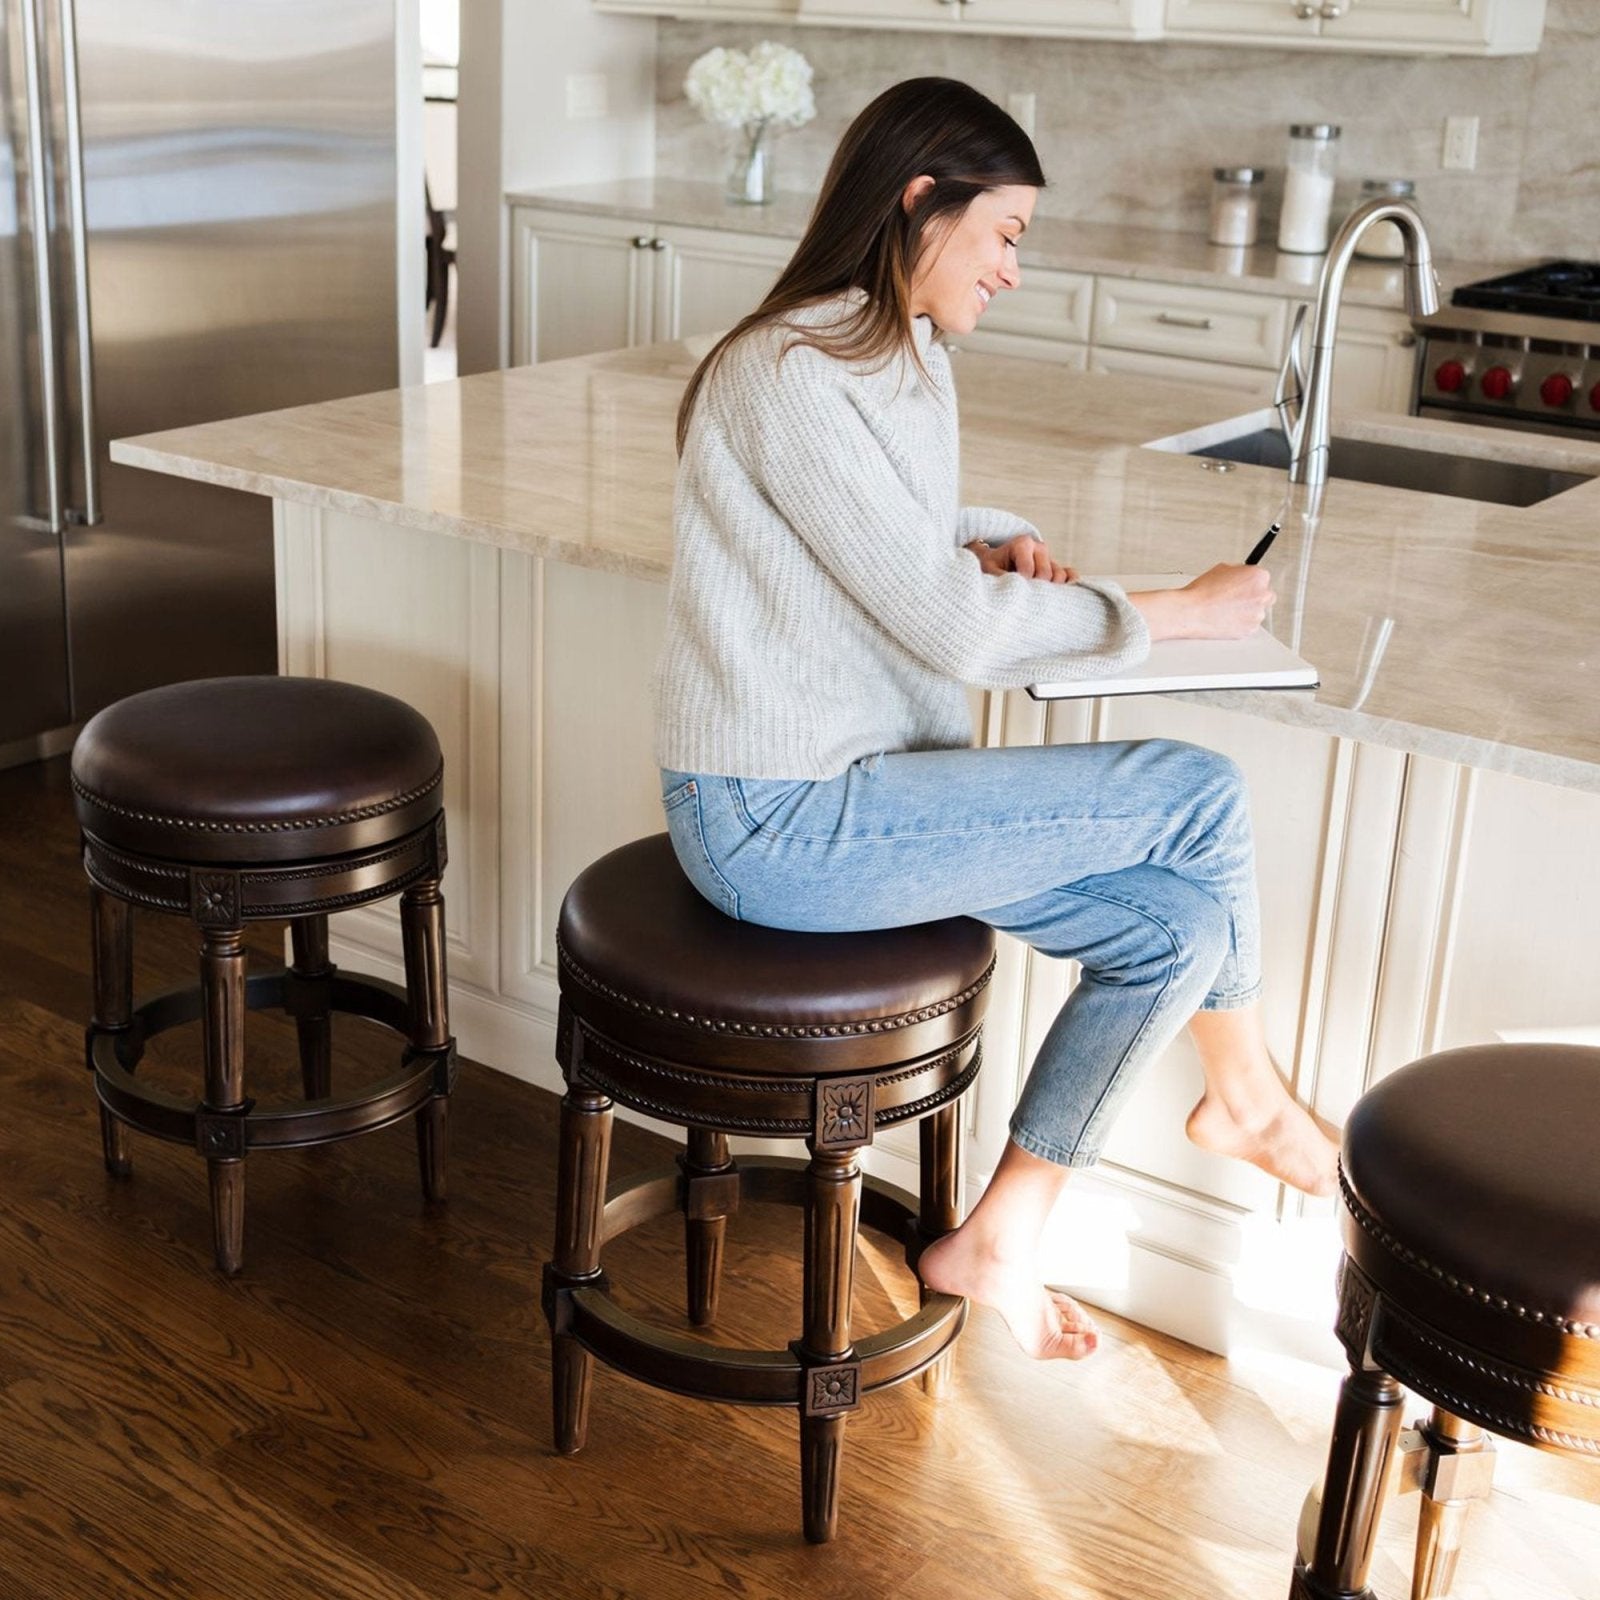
(1156, 254)
(1490, 655)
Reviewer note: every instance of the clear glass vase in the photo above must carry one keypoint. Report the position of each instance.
(750, 172)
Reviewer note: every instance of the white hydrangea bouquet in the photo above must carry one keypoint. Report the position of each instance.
(756, 92)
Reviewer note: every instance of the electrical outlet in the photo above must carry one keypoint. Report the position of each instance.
(1460, 143)
(588, 96)
(1022, 108)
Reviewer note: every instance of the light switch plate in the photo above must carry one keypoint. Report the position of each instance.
(1460, 143)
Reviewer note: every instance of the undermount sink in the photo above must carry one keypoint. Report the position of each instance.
(1505, 483)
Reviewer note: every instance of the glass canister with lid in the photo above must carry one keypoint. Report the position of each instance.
(1235, 205)
(1308, 188)
(1382, 241)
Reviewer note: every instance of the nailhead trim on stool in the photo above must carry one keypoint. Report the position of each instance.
(1471, 1274)
(235, 800)
(671, 1008)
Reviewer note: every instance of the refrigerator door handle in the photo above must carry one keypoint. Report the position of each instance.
(80, 265)
(38, 180)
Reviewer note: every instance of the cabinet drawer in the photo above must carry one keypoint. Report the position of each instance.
(1257, 382)
(1048, 305)
(1181, 320)
(989, 342)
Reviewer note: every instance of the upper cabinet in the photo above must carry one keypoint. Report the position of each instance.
(1395, 27)
(1402, 27)
(1121, 19)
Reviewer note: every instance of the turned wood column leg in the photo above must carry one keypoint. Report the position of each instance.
(832, 1379)
(111, 958)
(580, 1211)
(222, 965)
(422, 934)
(710, 1192)
(1459, 1469)
(940, 1212)
(1365, 1428)
(308, 937)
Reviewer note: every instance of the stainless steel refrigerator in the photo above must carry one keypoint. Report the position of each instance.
(197, 220)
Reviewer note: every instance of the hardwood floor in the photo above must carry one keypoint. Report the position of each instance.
(364, 1412)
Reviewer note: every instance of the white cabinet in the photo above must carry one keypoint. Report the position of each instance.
(1188, 320)
(1399, 27)
(1374, 367)
(1255, 382)
(1280, 21)
(1049, 318)
(1123, 19)
(582, 284)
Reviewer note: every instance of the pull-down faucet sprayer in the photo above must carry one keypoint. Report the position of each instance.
(1304, 396)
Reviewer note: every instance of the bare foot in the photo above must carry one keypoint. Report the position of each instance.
(1046, 1323)
(1286, 1143)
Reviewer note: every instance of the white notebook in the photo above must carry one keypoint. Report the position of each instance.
(1258, 661)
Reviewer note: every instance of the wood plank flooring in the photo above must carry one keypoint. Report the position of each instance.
(363, 1413)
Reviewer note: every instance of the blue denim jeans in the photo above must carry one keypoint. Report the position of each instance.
(1133, 859)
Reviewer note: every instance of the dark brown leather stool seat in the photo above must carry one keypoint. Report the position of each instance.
(232, 800)
(723, 1027)
(1472, 1276)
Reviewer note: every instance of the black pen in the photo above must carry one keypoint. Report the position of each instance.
(1263, 544)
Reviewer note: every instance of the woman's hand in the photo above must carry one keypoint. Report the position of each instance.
(1024, 555)
(1227, 602)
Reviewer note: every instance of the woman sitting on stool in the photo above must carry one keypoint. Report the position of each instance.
(830, 598)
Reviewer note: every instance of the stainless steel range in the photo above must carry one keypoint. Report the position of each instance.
(1519, 351)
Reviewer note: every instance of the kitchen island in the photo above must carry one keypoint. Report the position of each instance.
(493, 551)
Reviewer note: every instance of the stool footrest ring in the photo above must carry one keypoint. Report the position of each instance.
(423, 1073)
(690, 1366)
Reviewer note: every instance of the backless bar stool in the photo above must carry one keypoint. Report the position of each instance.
(721, 1027)
(1471, 1274)
(236, 800)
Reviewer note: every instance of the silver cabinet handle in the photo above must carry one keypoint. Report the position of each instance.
(1173, 320)
(1406, 341)
(1306, 9)
(1332, 10)
(80, 265)
(38, 185)
(658, 244)
(641, 241)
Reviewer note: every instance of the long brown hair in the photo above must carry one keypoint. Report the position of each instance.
(861, 235)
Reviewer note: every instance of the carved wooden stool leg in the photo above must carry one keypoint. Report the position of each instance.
(832, 1379)
(940, 1137)
(308, 937)
(111, 955)
(1459, 1468)
(710, 1194)
(580, 1213)
(221, 1120)
(1365, 1428)
(422, 933)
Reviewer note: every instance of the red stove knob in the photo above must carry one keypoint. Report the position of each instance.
(1452, 375)
(1557, 390)
(1497, 383)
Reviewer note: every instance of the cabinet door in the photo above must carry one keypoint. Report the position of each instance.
(1473, 25)
(868, 13)
(1255, 19)
(579, 285)
(705, 281)
(1375, 361)
(1126, 19)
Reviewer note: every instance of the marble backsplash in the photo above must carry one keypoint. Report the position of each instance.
(1128, 133)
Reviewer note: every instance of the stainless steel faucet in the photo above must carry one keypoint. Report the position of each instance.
(1305, 414)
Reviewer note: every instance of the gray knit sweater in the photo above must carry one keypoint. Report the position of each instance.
(821, 607)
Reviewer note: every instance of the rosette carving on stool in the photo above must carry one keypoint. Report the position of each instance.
(754, 93)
